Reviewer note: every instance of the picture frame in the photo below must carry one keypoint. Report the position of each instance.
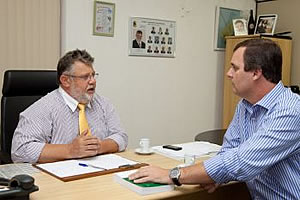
(104, 18)
(224, 26)
(152, 37)
(240, 27)
(265, 24)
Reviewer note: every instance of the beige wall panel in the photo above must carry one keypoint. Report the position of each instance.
(30, 34)
(288, 20)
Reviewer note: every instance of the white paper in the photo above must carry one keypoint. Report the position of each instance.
(71, 167)
(10, 170)
(125, 174)
(3, 188)
(108, 161)
(197, 148)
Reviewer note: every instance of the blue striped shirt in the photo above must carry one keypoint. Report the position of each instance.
(262, 147)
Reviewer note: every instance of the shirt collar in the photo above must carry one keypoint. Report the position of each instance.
(268, 100)
(70, 101)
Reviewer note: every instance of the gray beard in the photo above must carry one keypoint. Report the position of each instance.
(81, 98)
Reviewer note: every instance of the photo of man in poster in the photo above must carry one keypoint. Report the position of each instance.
(137, 42)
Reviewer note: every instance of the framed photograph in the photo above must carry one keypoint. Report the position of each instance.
(240, 27)
(223, 25)
(104, 18)
(265, 24)
(151, 37)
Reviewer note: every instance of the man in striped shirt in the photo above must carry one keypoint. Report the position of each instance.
(262, 144)
(49, 129)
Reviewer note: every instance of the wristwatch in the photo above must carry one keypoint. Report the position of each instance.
(174, 174)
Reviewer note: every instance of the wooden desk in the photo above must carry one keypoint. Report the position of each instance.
(104, 187)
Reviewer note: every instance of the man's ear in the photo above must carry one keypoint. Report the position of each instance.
(257, 74)
(65, 81)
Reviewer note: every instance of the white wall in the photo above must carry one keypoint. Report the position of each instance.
(168, 100)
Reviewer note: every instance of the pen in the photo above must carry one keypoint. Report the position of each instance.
(126, 166)
(89, 165)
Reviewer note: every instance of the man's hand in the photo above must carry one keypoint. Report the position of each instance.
(84, 146)
(151, 174)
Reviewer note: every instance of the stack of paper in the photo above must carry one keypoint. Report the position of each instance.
(140, 188)
(197, 148)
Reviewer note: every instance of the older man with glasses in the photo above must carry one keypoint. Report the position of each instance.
(71, 121)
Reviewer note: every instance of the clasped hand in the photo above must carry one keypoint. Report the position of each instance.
(85, 146)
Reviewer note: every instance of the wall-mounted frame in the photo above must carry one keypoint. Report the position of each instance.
(223, 25)
(265, 24)
(151, 37)
(104, 18)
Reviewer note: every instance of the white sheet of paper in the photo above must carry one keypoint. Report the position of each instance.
(197, 148)
(71, 167)
(10, 170)
(108, 161)
(67, 168)
(125, 174)
(2, 188)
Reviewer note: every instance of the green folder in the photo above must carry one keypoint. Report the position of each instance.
(145, 184)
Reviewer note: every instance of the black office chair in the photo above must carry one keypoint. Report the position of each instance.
(213, 136)
(295, 89)
(20, 89)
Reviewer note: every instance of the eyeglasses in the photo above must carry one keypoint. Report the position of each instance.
(85, 77)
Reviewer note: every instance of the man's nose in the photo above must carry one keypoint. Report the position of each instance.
(229, 73)
(92, 80)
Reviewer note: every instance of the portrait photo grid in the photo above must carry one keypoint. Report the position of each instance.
(151, 37)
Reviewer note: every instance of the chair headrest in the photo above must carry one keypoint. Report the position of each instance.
(29, 82)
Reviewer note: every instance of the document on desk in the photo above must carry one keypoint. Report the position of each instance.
(198, 148)
(10, 170)
(72, 168)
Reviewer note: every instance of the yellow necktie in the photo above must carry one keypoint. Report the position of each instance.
(83, 123)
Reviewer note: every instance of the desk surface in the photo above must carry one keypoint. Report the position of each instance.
(105, 187)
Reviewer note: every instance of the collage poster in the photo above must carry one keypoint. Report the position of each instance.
(152, 37)
(104, 17)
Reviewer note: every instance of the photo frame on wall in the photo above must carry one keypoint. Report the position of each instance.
(265, 24)
(223, 25)
(151, 37)
(104, 18)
